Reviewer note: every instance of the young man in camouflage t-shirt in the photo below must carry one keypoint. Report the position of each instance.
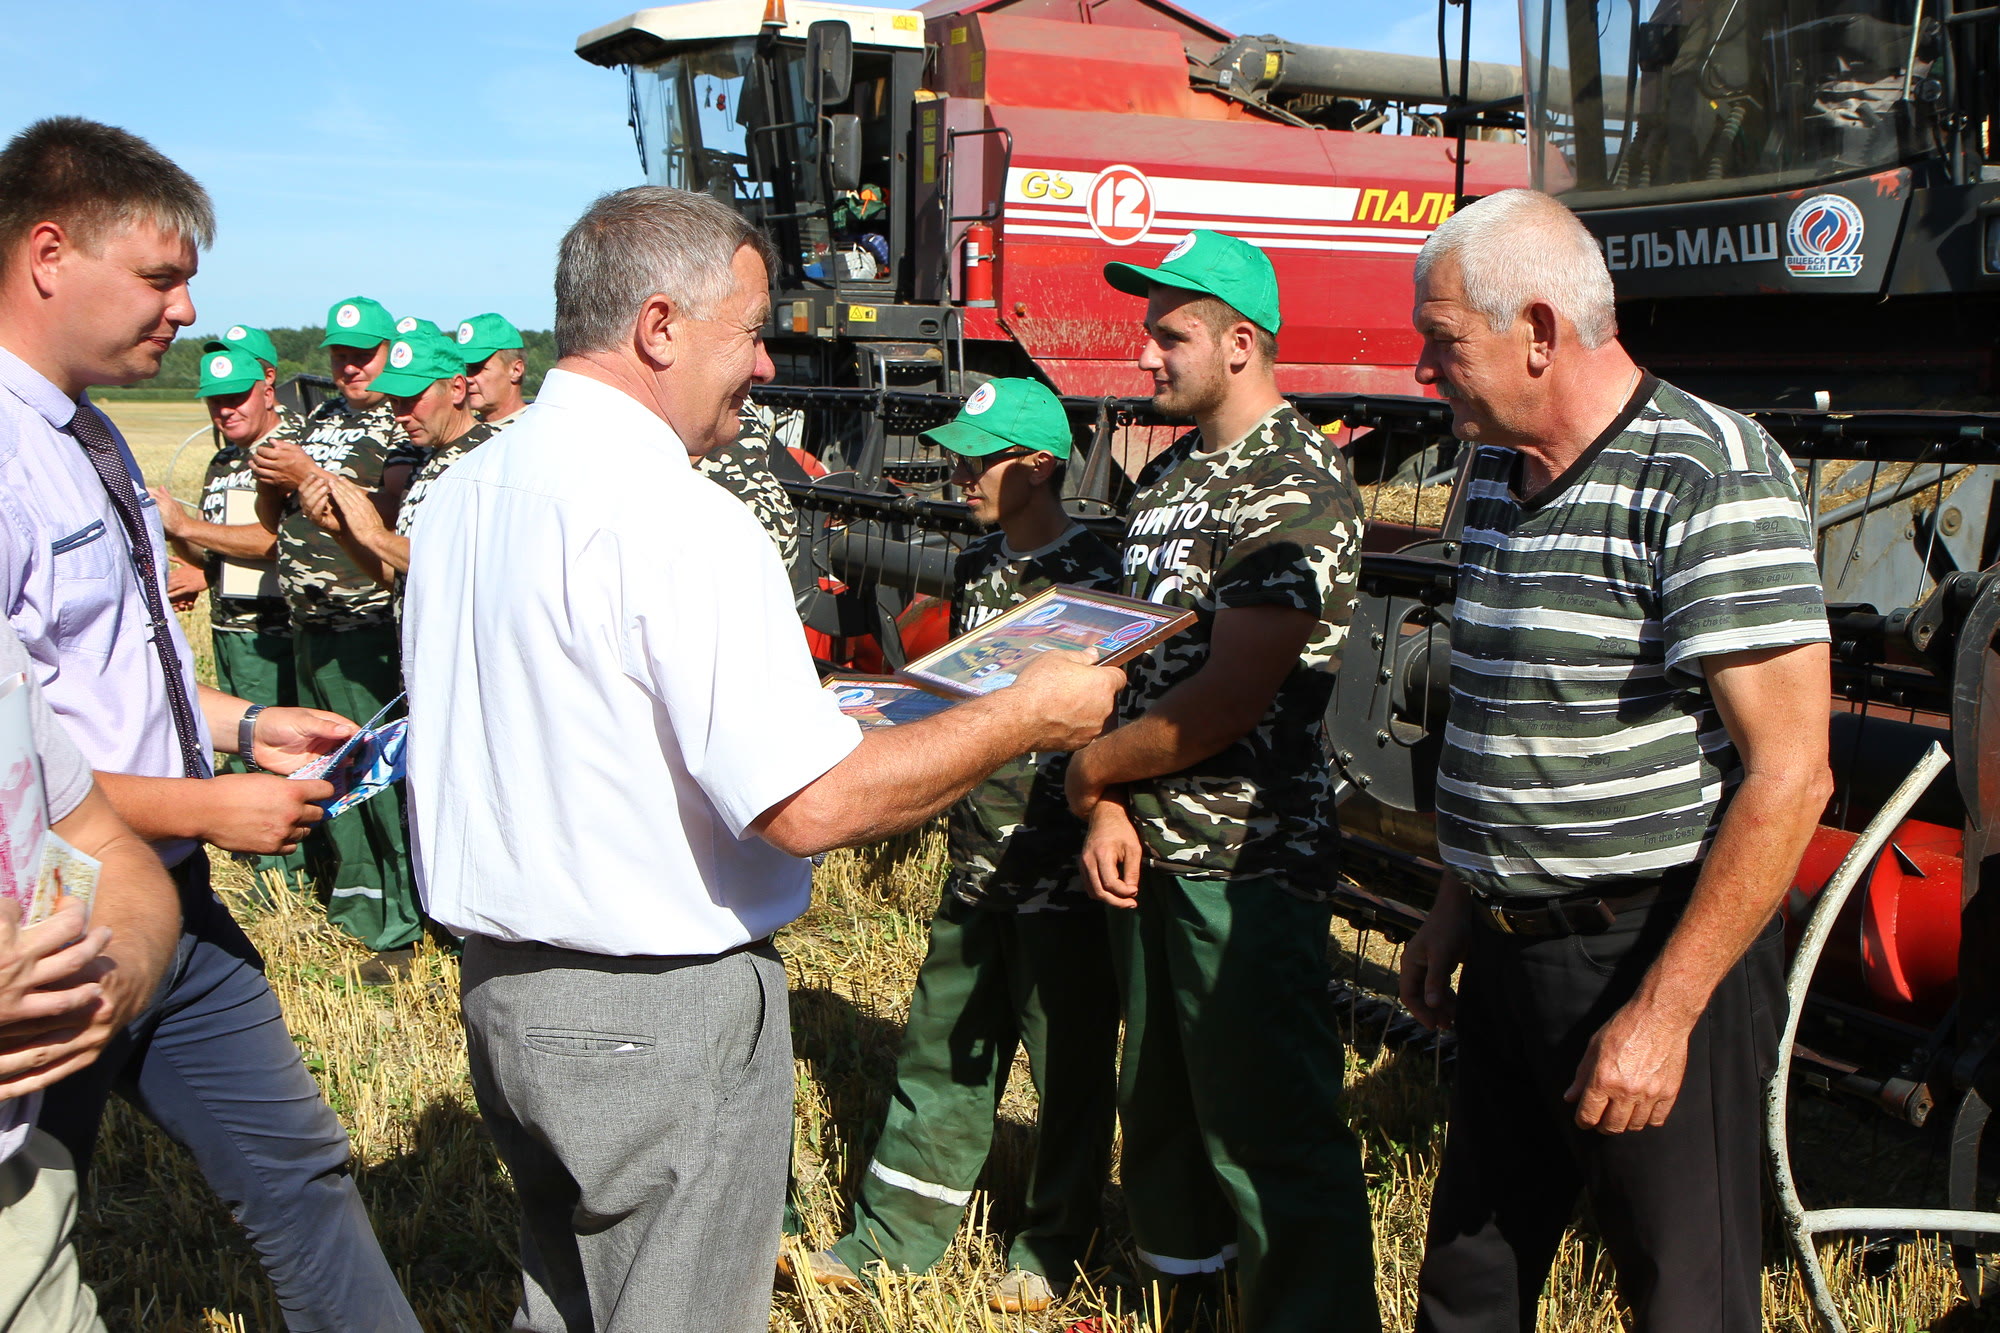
(1018, 954)
(343, 620)
(1234, 1148)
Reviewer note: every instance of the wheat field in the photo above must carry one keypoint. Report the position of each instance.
(164, 1256)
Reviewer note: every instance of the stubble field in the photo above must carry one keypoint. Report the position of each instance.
(164, 1256)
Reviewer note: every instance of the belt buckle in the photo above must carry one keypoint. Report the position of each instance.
(1497, 914)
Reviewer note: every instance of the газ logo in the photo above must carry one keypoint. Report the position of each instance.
(1823, 239)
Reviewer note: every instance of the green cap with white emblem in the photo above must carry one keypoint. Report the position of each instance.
(483, 335)
(1006, 414)
(408, 322)
(228, 371)
(1233, 271)
(243, 338)
(417, 360)
(358, 322)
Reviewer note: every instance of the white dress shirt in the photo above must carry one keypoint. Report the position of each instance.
(607, 686)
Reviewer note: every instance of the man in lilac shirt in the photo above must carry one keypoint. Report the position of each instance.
(98, 234)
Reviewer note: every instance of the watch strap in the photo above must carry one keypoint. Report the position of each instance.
(246, 738)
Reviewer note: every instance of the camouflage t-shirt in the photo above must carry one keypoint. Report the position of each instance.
(324, 586)
(1014, 843)
(743, 468)
(1271, 520)
(429, 465)
(230, 471)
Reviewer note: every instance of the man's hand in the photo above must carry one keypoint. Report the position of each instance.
(316, 501)
(185, 585)
(1071, 698)
(1112, 855)
(356, 507)
(282, 464)
(1433, 954)
(286, 738)
(1631, 1071)
(172, 517)
(54, 1015)
(262, 812)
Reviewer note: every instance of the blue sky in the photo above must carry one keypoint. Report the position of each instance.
(430, 153)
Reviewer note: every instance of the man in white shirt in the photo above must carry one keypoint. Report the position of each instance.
(619, 753)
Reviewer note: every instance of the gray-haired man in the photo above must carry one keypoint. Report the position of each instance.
(619, 754)
(1634, 760)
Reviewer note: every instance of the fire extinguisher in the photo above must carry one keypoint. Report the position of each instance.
(979, 265)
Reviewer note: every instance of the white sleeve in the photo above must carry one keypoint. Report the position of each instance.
(717, 638)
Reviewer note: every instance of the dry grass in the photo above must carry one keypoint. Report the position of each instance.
(157, 432)
(164, 1256)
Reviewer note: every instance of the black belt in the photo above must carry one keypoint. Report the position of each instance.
(1592, 915)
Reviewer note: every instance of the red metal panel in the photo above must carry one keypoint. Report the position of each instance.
(1340, 214)
(1895, 949)
(1069, 67)
(1163, 15)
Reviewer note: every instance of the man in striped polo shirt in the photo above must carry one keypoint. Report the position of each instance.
(1634, 760)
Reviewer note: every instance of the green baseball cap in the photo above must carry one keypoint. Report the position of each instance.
(228, 371)
(243, 338)
(408, 322)
(1231, 270)
(417, 360)
(1006, 414)
(483, 335)
(358, 322)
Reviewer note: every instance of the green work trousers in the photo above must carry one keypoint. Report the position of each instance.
(260, 668)
(361, 858)
(995, 981)
(1229, 1095)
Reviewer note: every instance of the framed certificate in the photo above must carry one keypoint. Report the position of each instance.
(882, 701)
(990, 656)
(245, 578)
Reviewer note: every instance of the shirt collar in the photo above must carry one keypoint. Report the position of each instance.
(634, 421)
(31, 387)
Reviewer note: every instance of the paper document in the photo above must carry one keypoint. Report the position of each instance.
(36, 865)
(370, 761)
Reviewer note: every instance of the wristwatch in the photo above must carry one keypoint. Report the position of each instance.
(246, 738)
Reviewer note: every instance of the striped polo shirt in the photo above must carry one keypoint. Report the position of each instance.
(1583, 744)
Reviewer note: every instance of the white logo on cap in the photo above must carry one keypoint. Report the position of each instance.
(347, 316)
(465, 332)
(406, 323)
(219, 366)
(1181, 247)
(237, 331)
(401, 354)
(982, 398)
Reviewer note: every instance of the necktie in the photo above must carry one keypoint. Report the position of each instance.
(105, 456)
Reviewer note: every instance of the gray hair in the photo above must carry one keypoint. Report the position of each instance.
(650, 240)
(1521, 246)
